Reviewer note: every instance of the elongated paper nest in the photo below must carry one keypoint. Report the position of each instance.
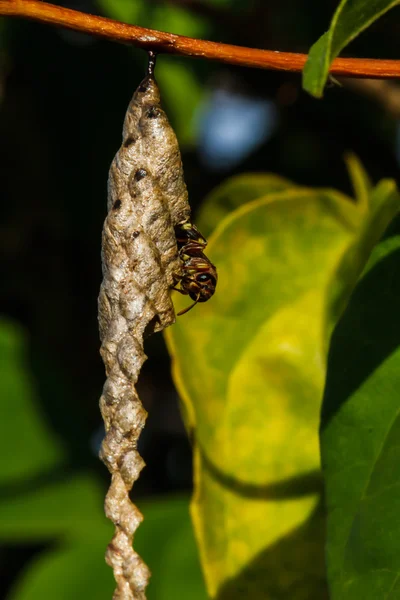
(147, 196)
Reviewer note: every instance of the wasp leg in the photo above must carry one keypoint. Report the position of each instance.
(177, 277)
(185, 310)
(180, 291)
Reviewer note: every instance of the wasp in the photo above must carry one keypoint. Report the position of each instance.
(198, 278)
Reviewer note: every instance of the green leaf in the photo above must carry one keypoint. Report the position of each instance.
(350, 19)
(27, 444)
(250, 368)
(234, 192)
(77, 572)
(360, 436)
(72, 511)
(175, 19)
(70, 508)
(361, 183)
(382, 205)
(174, 76)
(178, 19)
(128, 11)
(166, 542)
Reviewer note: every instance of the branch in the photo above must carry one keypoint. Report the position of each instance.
(150, 39)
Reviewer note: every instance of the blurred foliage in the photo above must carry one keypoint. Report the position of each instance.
(286, 263)
(65, 512)
(62, 100)
(350, 19)
(35, 448)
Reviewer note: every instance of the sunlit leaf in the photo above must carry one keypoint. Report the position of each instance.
(234, 192)
(360, 436)
(350, 19)
(250, 366)
(361, 183)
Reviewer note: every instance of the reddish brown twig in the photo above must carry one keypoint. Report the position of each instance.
(177, 44)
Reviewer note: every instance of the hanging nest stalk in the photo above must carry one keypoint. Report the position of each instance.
(147, 197)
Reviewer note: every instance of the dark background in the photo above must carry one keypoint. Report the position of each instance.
(63, 97)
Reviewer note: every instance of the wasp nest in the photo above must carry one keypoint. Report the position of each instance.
(147, 197)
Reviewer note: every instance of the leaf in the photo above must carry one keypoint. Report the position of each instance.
(27, 444)
(350, 19)
(360, 436)
(77, 572)
(128, 11)
(250, 368)
(360, 180)
(71, 512)
(166, 542)
(70, 508)
(234, 192)
(382, 205)
(179, 20)
(181, 556)
(174, 75)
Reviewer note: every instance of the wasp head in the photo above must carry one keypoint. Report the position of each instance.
(200, 287)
